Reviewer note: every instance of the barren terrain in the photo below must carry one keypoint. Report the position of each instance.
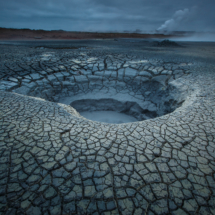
(55, 161)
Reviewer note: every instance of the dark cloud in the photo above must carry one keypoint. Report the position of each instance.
(108, 15)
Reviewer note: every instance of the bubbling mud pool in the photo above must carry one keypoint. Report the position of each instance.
(108, 117)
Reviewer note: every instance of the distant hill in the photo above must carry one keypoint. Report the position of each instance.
(28, 34)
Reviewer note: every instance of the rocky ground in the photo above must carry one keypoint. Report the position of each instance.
(54, 161)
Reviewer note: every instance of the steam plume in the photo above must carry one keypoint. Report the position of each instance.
(180, 16)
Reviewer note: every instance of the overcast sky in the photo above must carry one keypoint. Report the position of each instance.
(109, 15)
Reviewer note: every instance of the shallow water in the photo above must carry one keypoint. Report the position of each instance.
(108, 117)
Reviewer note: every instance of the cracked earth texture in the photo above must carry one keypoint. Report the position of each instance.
(54, 161)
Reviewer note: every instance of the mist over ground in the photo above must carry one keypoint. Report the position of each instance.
(198, 37)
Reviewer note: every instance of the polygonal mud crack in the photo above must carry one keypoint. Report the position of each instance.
(53, 161)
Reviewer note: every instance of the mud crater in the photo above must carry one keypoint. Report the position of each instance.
(141, 100)
(142, 93)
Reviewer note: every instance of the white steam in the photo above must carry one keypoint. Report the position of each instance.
(180, 17)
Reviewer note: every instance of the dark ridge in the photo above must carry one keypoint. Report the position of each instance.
(166, 43)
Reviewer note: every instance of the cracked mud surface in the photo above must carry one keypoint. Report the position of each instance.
(54, 161)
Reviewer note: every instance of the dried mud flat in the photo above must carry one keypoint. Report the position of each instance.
(54, 161)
